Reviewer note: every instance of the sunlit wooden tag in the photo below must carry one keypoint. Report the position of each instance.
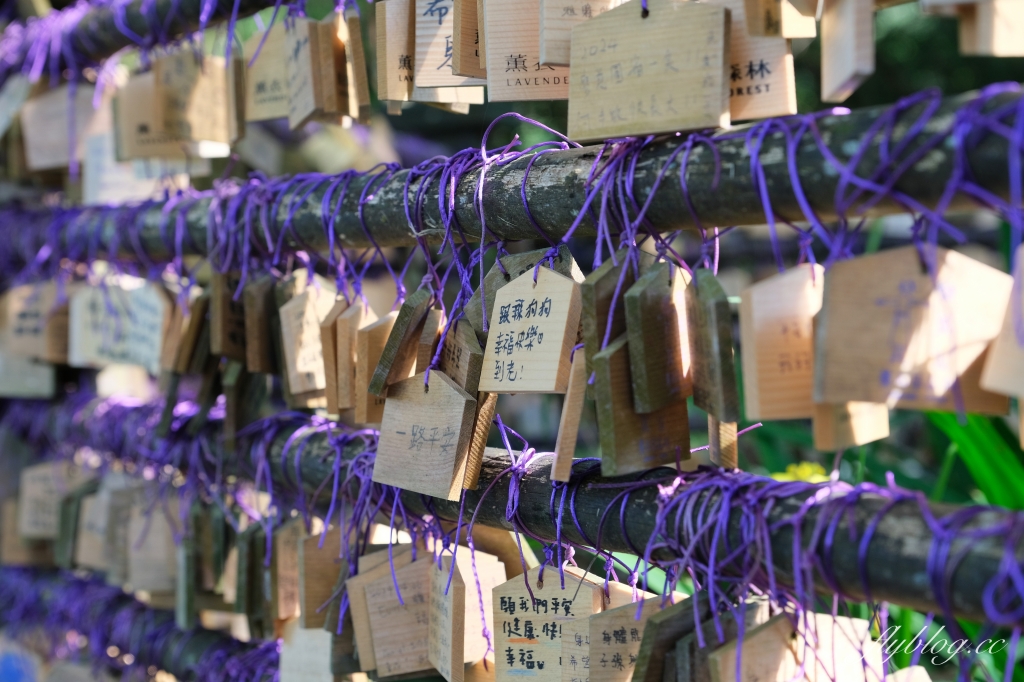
(615, 92)
(832, 648)
(400, 631)
(398, 357)
(462, 357)
(284, 587)
(481, 28)
(395, 50)
(435, 38)
(991, 28)
(45, 126)
(659, 343)
(305, 86)
(846, 425)
(152, 553)
(847, 47)
(197, 100)
(42, 487)
(528, 634)
(532, 331)
(466, 46)
(355, 316)
(632, 442)
(711, 348)
(778, 18)
(357, 81)
(371, 567)
(426, 346)
(329, 351)
(424, 436)
(557, 20)
(888, 333)
(1004, 364)
(370, 341)
(194, 325)
(777, 338)
(318, 569)
(15, 550)
(21, 377)
(227, 317)
(35, 326)
(615, 637)
(266, 81)
(258, 306)
(576, 665)
(300, 333)
(761, 75)
(513, 55)
(486, 406)
(121, 323)
(456, 637)
(569, 421)
(515, 265)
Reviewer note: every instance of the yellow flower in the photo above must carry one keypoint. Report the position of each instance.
(811, 472)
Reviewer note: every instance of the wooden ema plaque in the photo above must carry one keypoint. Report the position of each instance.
(42, 488)
(516, 265)
(689, 657)
(426, 347)
(779, 19)
(329, 350)
(371, 567)
(370, 340)
(266, 80)
(1004, 365)
(777, 338)
(425, 435)
(637, 76)
(486, 406)
(514, 72)
(305, 86)
(615, 637)
(659, 342)
(632, 442)
(761, 75)
(347, 324)
(576, 636)
(435, 40)
(401, 629)
(711, 348)
(569, 421)
(35, 326)
(991, 28)
(846, 425)
(398, 357)
(258, 306)
(847, 47)
(533, 329)
(152, 552)
(528, 634)
(300, 335)
(138, 125)
(306, 655)
(357, 79)
(197, 100)
(284, 596)
(122, 323)
(46, 125)
(663, 630)
(227, 317)
(455, 636)
(466, 47)
(462, 358)
(24, 378)
(557, 20)
(395, 49)
(319, 568)
(890, 333)
(15, 550)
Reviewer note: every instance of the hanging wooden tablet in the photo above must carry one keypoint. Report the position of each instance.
(371, 566)
(534, 326)
(481, 29)
(121, 323)
(395, 50)
(557, 20)
(424, 436)
(466, 48)
(16, 551)
(266, 80)
(300, 333)
(1004, 362)
(515, 265)
(370, 341)
(46, 125)
(400, 629)
(528, 633)
(846, 425)
(24, 378)
(336, 91)
(659, 342)
(319, 568)
(779, 18)
(576, 636)
(227, 317)
(455, 634)
(186, 613)
(513, 53)
(435, 38)
(615, 92)
(433, 325)
(258, 306)
(691, 659)
(117, 542)
(723, 448)
(306, 655)
(350, 31)
(305, 89)
(890, 333)
(486, 406)
(569, 422)
(39, 496)
(991, 28)
(152, 555)
(847, 47)
(777, 343)
(197, 98)
(663, 629)
(761, 74)
(36, 326)
(615, 637)
(398, 357)
(462, 357)
(285, 603)
(69, 515)
(711, 348)
(348, 323)
(632, 442)
(138, 123)
(329, 351)
(195, 321)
